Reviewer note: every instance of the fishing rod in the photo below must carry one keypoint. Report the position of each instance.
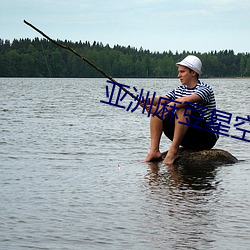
(82, 57)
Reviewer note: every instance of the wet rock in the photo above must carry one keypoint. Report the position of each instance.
(204, 157)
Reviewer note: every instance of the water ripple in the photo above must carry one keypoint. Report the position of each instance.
(72, 175)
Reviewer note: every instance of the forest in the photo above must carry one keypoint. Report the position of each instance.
(41, 58)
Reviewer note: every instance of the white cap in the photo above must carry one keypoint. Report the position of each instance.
(191, 62)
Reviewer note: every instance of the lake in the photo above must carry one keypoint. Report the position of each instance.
(72, 173)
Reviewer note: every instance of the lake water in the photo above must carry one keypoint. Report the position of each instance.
(72, 174)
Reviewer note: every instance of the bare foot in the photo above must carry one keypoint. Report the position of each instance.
(153, 156)
(171, 156)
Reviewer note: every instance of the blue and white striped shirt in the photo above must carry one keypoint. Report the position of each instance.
(204, 91)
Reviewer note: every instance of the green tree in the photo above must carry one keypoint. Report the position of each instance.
(41, 58)
(247, 69)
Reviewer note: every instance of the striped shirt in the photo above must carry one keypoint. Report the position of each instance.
(204, 91)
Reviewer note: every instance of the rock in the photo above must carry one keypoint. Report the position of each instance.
(204, 157)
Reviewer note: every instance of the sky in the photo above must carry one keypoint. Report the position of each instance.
(155, 25)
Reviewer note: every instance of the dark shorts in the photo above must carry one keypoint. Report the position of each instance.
(195, 138)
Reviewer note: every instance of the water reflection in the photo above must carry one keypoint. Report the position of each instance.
(183, 177)
(183, 197)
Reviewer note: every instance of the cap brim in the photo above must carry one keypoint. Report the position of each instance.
(199, 72)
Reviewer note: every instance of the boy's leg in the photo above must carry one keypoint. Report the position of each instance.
(156, 128)
(179, 132)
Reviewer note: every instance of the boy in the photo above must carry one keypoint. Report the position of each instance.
(189, 112)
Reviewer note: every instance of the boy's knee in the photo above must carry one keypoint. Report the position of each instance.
(183, 111)
(183, 114)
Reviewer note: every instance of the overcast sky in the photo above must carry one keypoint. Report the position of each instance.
(157, 25)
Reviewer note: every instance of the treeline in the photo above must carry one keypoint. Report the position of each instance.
(41, 58)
